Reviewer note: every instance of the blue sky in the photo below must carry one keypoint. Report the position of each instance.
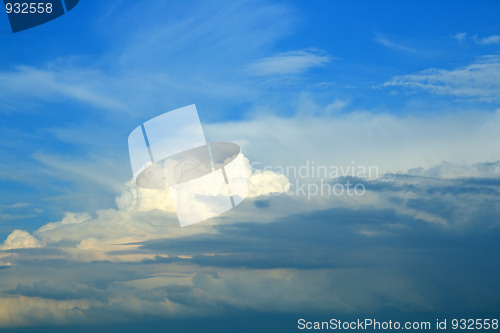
(409, 87)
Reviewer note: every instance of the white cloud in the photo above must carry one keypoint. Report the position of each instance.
(293, 62)
(85, 86)
(69, 219)
(189, 289)
(489, 40)
(493, 39)
(396, 45)
(266, 182)
(142, 200)
(139, 199)
(393, 143)
(104, 291)
(20, 239)
(95, 171)
(479, 81)
(116, 250)
(460, 36)
(141, 214)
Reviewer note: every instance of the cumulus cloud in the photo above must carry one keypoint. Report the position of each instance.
(325, 253)
(387, 251)
(141, 215)
(135, 198)
(479, 81)
(390, 143)
(20, 239)
(329, 254)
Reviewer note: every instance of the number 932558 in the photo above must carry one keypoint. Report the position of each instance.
(28, 8)
(474, 324)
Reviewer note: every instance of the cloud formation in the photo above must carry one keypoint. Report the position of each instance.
(293, 62)
(392, 143)
(134, 260)
(86, 86)
(141, 214)
(489, 40)
(380, 252)
(20, 239)
(422, 231)
(390, 43)
(479, 81)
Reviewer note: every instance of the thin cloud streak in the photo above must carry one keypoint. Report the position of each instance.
(47, 84)
(385, 41)
(293, 62)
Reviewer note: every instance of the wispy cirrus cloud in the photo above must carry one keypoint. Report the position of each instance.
(293, 62)
(479, 81)
(393, 43)
(85, 86)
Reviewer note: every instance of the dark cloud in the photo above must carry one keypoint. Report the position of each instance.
(384, 256)
(62, 290)
(261, 203)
